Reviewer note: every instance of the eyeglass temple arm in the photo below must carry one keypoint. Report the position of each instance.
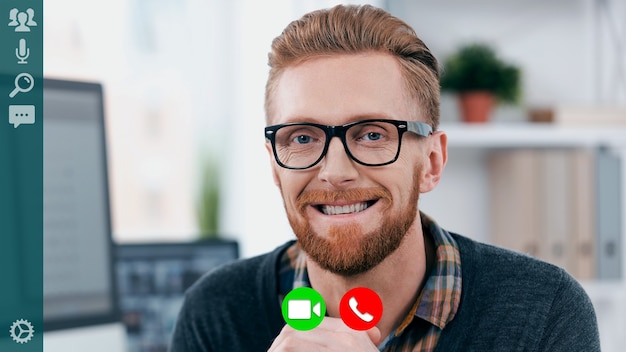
(420, 128)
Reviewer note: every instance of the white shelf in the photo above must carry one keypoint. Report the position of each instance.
(533, 135)
(599, 289)
(609, 301)
(460, 202)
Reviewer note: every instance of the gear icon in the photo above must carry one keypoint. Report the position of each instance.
(22, 331)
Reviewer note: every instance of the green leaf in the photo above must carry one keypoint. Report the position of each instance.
(475, 67)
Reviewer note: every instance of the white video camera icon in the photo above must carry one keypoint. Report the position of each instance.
(300, 309)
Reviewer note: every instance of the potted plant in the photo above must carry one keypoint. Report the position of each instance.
(209, 199)
(480, 79)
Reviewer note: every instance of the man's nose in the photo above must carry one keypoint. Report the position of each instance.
(337, 168)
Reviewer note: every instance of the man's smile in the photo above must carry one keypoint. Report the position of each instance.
(344, 202)
(329, 209)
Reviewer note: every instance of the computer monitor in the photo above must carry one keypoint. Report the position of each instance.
(152, 279)
(79, 284)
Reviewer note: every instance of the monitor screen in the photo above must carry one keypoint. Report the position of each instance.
(79, 286)
(152, 279)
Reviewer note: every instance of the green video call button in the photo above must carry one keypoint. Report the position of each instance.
(303, 308)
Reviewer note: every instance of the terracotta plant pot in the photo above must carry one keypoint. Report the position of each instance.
(476, 106)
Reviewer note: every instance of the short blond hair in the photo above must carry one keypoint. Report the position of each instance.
(351, 29)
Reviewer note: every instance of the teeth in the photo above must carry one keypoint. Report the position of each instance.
(346, 209)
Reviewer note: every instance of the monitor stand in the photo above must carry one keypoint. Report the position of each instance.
(97, 338)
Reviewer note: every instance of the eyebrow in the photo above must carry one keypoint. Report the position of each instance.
(352, 118)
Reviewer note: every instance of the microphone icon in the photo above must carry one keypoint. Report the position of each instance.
(22, 52)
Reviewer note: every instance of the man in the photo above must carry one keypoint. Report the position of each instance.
(363, 76)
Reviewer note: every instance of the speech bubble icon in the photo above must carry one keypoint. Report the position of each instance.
(21, 115)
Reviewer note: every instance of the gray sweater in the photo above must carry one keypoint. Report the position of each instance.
(509, 302)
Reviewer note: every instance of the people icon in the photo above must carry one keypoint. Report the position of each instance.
(31, 15)
(22, 21)
(13, 17)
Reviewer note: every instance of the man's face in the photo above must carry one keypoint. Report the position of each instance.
(348, 217)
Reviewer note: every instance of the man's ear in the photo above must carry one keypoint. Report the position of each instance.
(436, 158)
(268, 147)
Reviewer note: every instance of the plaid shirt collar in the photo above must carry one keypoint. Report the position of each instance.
(439, 299)
(441, 295)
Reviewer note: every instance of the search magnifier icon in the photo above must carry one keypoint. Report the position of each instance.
(24, 83)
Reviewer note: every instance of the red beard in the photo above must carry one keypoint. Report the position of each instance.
(350, 250)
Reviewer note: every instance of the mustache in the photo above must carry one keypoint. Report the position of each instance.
(355, 194)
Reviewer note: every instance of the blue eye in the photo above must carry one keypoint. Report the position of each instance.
(302, 139)
(373, 136)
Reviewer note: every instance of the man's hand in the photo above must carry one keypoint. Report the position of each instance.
(331, 335)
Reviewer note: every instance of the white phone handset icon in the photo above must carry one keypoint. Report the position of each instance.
(366, 317)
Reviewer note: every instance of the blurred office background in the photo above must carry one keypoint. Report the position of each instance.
(183, 85)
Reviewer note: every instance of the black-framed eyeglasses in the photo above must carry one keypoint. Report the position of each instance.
(376, 142)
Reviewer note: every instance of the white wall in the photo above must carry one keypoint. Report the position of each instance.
(550, 40)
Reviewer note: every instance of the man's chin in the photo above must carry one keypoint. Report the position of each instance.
(340, 260)
(345, 250)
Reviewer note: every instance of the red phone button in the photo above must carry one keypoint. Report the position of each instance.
(361, 308)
